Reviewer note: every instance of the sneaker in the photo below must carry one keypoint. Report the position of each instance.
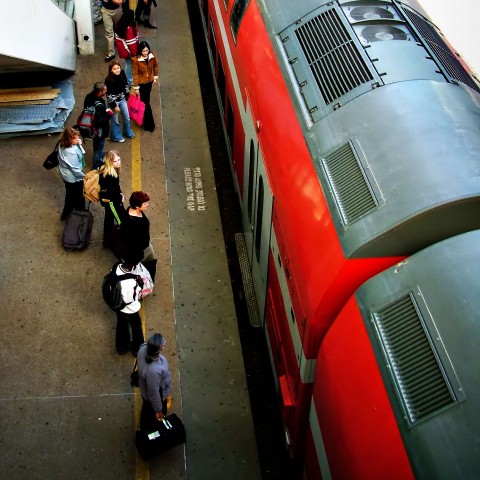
(130, 136)
(118, 141)
(109, 57)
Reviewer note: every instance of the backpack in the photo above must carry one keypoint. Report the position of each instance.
(91, 186)
(86, 122)
(112, 290)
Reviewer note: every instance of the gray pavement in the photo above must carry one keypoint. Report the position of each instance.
(67, 409)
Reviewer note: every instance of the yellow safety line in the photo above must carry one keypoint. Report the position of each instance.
(142, 468)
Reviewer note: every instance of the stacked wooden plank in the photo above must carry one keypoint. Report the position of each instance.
(10, 97)
(34, 110)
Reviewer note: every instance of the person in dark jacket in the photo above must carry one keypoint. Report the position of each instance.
(111, 196)
(136, 232)
(101, 120)
(118, 92)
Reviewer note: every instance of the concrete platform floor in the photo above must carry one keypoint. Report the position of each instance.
(67, 409)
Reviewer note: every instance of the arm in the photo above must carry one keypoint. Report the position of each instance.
(155, 68)
(135, 73)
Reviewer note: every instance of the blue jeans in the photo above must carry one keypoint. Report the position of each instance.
(115, 131)
(98, 148)
(128, 71)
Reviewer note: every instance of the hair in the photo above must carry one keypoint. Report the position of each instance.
(126, 20)
(143, 44)
(67, 137)
(154, 346)
(110, 74)
(98, 87)
(138, 198)
(108, 168)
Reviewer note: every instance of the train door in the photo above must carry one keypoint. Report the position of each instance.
(257, 202)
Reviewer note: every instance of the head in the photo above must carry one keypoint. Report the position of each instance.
(139, 200)
(114, 68)
(69, 137)
(127, 19)
(154, 346)
(112, 164)
(143, 49)
(100, 89)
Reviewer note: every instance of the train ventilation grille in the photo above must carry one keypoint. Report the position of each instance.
(416, 370)
(440, 50)
(352, 192)
(332, 56)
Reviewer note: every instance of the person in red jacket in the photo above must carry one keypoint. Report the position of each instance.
(126, 41)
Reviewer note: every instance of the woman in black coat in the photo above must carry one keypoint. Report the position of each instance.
(111, 196)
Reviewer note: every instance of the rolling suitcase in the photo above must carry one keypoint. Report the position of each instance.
(78, 230)
(169, 434)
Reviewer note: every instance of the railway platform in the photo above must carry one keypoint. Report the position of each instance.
(68, 410)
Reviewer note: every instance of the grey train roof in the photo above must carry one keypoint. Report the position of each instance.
(423, 319)
(391, 118)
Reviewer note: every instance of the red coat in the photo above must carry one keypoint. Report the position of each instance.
(127, 47)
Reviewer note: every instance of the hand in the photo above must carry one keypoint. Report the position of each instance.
(159, 415)
(155, 79)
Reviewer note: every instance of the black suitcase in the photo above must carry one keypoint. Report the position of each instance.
(169, 434)
(78, 230)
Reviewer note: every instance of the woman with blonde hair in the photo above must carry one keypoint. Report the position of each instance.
(111, 196)
(70, 165)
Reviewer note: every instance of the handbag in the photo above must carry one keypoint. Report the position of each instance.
(52, 160)
(144, 274)
(136, 109)
(134, 377)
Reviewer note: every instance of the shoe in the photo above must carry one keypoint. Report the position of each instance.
(130, 136)
(139, 20)
(118, 141)
(110, 57)
(149, 25)
(120, 354)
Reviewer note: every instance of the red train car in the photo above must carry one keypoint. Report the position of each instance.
(396, 391)
(353, 136)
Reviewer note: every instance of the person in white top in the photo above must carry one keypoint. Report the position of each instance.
(129, 315)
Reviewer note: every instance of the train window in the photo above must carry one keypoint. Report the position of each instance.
(205, 10)
(230, 123)
(292, 314)
(251, 170)
(259, 220)
(238, 11)
(221, 82)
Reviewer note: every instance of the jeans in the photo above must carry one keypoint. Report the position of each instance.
(128, 71)
(115, 131)
(98, 148)
(107, 16)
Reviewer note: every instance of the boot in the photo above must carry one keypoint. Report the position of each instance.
(149, 25)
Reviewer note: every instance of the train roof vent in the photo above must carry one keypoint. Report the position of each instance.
(416, 369)
(332, 56)
(351, 189)
(452, 67)
(328, 61)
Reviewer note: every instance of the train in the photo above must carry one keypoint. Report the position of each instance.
(353, 136)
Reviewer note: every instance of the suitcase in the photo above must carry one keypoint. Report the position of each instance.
(78, 230)
(169, 434)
